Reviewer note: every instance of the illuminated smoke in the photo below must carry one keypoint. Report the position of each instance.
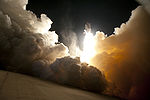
(69, 38)
(26, 39)
(146, 4)
(70, 71)
(124, 57)
(27, 46)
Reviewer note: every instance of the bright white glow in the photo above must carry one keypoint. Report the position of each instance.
(88, 47)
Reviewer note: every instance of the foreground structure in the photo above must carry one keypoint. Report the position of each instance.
(15, 86)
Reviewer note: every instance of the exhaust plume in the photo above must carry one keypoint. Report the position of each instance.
(70, 71)
(27, 46)
(124, 57)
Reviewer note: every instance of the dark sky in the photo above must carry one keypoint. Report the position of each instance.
(104, 15)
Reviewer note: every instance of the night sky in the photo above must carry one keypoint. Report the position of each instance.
(103, 15)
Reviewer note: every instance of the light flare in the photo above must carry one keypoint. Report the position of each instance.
(88, 47)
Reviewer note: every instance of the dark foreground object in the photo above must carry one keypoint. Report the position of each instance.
(15, 86)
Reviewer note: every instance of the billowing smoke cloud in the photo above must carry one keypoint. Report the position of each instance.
(70, 71)
(26, 39)
(124, 57)
(27, 46)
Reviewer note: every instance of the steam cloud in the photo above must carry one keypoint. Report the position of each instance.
(26, 39)
(27, 46)
(70, 71)
(124, 57)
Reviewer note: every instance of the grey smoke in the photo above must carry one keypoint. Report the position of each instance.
(27, 46)
(26, 39)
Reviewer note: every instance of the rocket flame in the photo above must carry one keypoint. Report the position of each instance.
(88, 47)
